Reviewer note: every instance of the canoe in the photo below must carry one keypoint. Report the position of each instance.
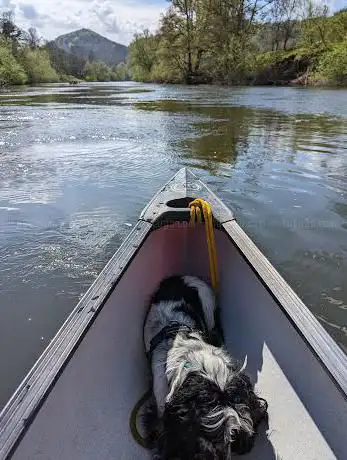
(76, 401)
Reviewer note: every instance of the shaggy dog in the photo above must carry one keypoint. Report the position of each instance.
(204, 406)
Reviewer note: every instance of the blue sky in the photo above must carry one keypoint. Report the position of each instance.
(339, 4)
(115, 19)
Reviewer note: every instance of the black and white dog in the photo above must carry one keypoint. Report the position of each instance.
(205, 405)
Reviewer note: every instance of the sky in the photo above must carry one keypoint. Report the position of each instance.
(117, 20)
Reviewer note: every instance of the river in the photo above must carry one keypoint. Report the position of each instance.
(77, 165)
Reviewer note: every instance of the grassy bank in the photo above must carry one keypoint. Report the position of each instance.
(302, 66)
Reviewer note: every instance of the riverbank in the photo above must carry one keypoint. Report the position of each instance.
(296, 67)
(303, 67)
(300, 49)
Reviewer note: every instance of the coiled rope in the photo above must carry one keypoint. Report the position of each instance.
(198, 208)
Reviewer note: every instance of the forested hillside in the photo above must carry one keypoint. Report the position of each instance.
(238, 41)
(278, 42)
(88, 45)
(26, 58)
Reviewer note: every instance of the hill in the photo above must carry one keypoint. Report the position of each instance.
(64, 62)
(88, 45)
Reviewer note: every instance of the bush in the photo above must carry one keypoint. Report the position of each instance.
(11, 73)
(38, 66)
(333, 64)
(263, 60)
(97, 71)
(119, 72)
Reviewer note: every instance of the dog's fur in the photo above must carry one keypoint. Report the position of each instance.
(205, 405)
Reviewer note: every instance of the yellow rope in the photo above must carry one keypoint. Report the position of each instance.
(200, 207)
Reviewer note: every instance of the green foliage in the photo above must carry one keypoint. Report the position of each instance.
(99, 71)
(337, 30)
(223, 41)
(230, 41)
(142, 56)
(8, 29)
(11, 73)
(22, 59)
(38, 66)
(199, 41)
(320, 30)
(262, 61)
(119, 72)
(333, 64)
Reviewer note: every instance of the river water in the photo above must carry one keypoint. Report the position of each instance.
(77, 165)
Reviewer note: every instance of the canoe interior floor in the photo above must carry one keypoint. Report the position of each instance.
(86, 415)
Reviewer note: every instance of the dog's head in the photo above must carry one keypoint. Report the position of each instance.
(211, 413)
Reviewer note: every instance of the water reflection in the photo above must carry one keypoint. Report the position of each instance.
(96, 95)
(221, 133)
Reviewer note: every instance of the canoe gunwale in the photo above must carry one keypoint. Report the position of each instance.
(323, 346)
(21, 409)
(164, 209)
(30, 395)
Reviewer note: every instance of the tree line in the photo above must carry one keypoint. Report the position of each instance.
(231, 41)
(26, 58)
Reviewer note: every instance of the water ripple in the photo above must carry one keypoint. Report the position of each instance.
(77, 165)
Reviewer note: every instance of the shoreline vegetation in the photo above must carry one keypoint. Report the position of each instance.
(225, 42)
(254, 42)
(26, 59)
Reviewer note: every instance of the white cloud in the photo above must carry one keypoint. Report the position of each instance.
(115, 19)
(29, 11)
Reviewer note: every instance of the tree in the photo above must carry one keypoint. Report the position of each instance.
(219, 40)
(333, 64)
(122, 71)
(183, 28)
(89, 72)
(337, 27)
(315, 25)
(185, 11)
(208, 38)
(97, 71)
(8, 28)
(103, 71)
(11, 72)
(284, 16)
(34, 39)
(38, 66)
(142, 55)
(119, 72)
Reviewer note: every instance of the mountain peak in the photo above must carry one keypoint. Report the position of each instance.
(87, 44)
